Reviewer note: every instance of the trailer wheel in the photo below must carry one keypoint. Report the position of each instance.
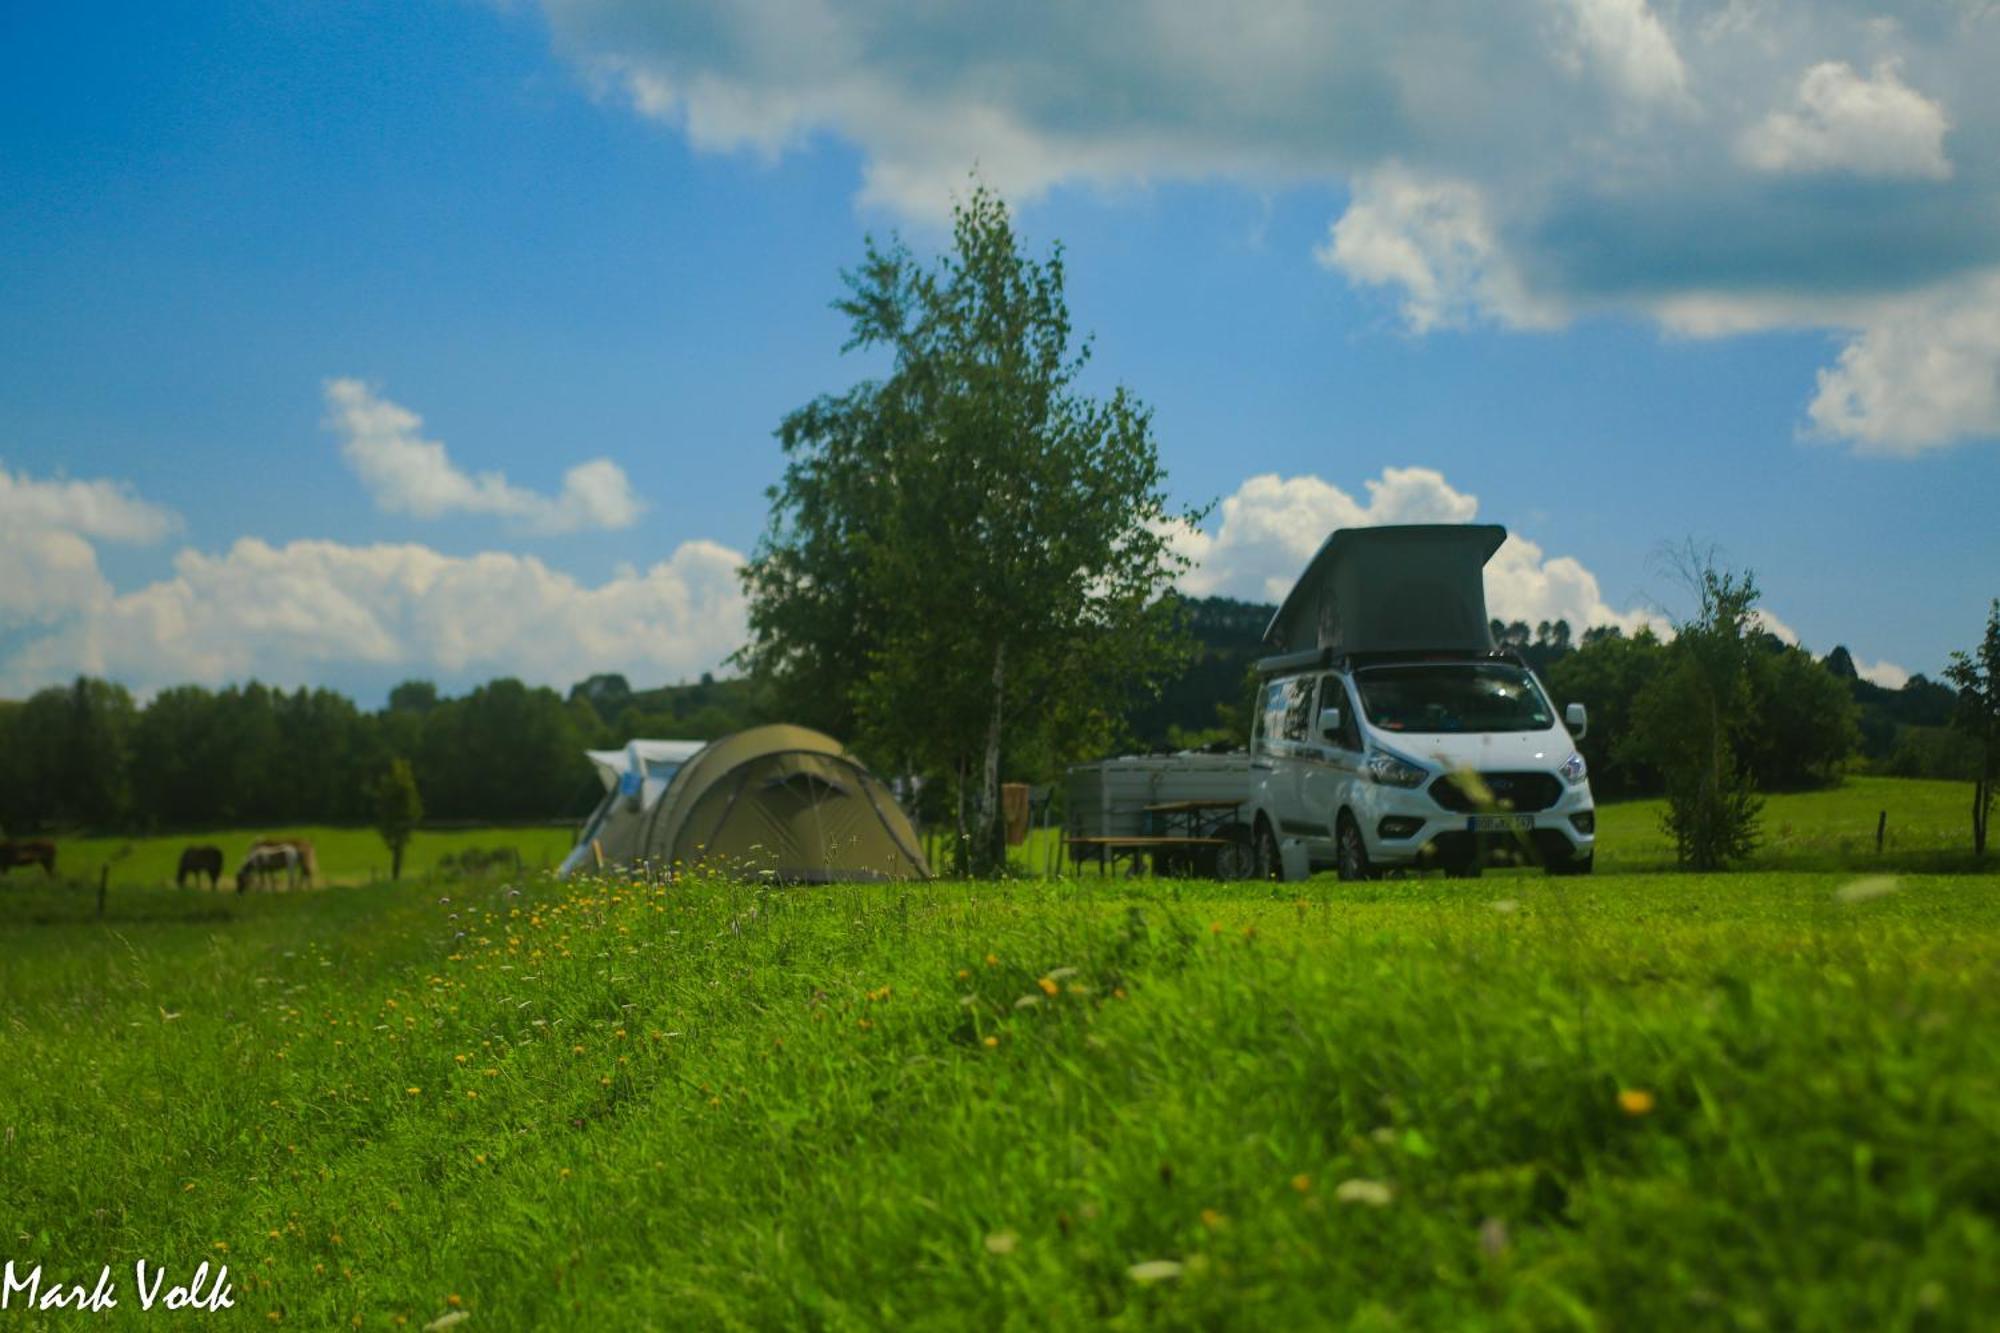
(1270, 862)
(1237, 860)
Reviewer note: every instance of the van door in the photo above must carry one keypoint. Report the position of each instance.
(1331, 767)
(1288, 705)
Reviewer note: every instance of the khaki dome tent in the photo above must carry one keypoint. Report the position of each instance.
(786, 802)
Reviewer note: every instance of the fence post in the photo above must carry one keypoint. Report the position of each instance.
(103, 883)
(1881, 827)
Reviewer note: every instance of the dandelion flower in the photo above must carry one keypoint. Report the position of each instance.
(992, 960)
(991, 1042)
(1635, 1101)
(965, 974)
(414, 1092)
(1302, 1182)
(1048, 986)
(1002, 1242)
(1212, 1219)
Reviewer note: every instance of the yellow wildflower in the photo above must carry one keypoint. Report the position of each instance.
(1635, 1101)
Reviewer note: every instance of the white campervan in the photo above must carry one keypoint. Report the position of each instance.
(1390, 733)
(1450, 760)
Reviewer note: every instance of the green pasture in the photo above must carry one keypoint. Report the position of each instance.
(1929, 827)
(346, 855)
(1758, 1101)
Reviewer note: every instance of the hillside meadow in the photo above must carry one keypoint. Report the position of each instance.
(1763, 1100)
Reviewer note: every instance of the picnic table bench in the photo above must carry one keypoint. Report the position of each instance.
(1190, 828)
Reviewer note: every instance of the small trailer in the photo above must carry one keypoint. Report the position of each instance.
(1186, 811)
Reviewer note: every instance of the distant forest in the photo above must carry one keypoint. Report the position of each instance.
(86, 756)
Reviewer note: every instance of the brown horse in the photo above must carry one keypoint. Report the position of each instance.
(31, 852)
(199, 861)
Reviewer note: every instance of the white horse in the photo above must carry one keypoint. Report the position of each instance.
(265, 860)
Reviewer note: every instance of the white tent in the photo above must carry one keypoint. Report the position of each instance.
(634, 778)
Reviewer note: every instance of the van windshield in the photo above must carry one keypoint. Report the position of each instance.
(1453, 697)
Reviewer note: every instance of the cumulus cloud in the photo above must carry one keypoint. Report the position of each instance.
(1525, 163)
(1885, 673)
(1271, 526)
(47, 562)
(408, 474)
(103, 509)
(1434, 240)
(309, 610)
(1625, 43)
(1843, 122)
(1923, 373)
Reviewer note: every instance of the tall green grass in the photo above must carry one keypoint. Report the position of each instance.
(1755, 1101)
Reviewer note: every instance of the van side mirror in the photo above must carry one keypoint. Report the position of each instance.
(1576, 720)
(1329, 723)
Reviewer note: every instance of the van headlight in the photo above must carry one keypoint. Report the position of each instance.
(1574, 770)
(1392, 770)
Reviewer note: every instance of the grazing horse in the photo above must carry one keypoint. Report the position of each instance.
(265, 860)
(34, 852)
(199, 861)
(308, 863)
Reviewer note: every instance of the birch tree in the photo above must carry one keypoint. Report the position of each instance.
(966, 558)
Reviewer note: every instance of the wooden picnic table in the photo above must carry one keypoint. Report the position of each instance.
(1110, 847)
(1208, 818)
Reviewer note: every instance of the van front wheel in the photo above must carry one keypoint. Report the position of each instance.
(1353, 851)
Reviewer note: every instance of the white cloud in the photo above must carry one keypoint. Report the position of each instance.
(1844, 122)
(1524, 163)
(408, 474)
(106, 510)
(1924, 373)
(1433, 240)
(1885, 673)
(47, 562)
(1763, 619)
(1272, 525)
(308, 610)
(1625, 42)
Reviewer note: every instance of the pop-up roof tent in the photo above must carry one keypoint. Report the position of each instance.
(634, 779)
(1392, 589)
(786, 803)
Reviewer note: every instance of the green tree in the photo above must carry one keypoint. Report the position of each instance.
(968, 557)
(1977, 676)
(1690, 721)
(1607, 675)
(399, 807)
(1807, 723)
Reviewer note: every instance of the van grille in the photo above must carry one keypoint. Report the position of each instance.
(1511, 791)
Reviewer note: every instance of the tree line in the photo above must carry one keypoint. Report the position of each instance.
(88, 756)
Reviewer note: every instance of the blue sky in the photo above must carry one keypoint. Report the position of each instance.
(342, 343)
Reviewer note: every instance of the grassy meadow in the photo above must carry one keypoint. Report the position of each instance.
(1760, 1100)
(346, 855)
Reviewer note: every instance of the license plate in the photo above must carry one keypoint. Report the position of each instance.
(1499, 823)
